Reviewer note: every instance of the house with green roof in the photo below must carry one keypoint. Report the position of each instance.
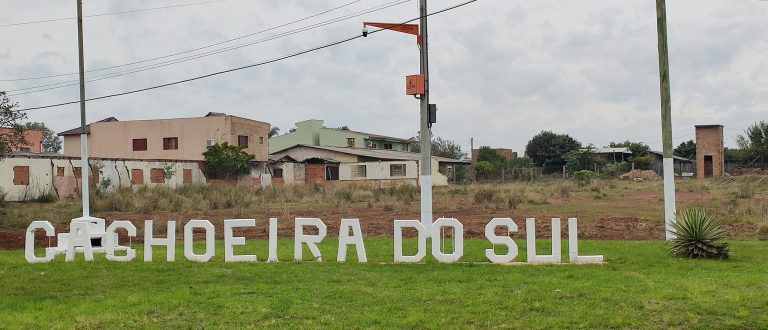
(313, 133)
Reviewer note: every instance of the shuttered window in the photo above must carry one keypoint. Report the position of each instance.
(397, 170)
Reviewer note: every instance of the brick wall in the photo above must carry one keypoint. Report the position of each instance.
(137, 176)
(314, 173)
(157, 175)
(21, 175)
(709, 142)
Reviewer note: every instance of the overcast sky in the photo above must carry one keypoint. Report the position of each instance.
(502, 70)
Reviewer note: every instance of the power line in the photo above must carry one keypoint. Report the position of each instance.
(206, 54)
(191, 50)
(339, 42)
(112, 13)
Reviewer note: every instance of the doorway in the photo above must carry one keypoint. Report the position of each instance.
(708, 166)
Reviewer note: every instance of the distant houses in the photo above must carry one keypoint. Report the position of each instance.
(33, 137)
(313, 133)
(169, 139)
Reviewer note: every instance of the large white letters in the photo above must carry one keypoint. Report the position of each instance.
(490, 234)
(272, 240)
(573, 246)
(458, 240)
(533, 258)
(355, 239)
(189, 244)
(79, 237)
(169, 241)
(110, 241)
(422, 241)
(310, 240)
(29, 244)
(230, 241)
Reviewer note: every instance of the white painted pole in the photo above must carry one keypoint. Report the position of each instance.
(666, 119)
(425, 135)
(84, 168)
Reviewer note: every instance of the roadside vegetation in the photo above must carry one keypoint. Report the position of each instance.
(739, 202)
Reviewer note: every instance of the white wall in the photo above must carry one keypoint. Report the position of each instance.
(43, 174)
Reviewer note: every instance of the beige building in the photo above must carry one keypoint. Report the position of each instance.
(169, 139)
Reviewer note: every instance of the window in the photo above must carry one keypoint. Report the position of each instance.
(187, 176)
(403, 147)
(397, 170)
(210, 142)
(171, 143)
(242, 141)
(388, 146)
(59, 171)
(261, 140)
(157, 175)
(21, 175)
(374, 146)
(78, 173)
(278, 173)
(358, 171)
(350, 142)
(139, 144)
(137, 176)
(331, 173)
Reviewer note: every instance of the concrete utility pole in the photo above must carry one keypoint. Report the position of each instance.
(426, 137)
(84, 168)
(666, 119)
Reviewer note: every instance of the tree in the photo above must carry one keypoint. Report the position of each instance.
(51, 141)
(14, 135)
(638, 149)
(686, 149)
(581, 159)
(441, 148)
(225, 161)
(274, 131)
(755, 141)
(547, 149)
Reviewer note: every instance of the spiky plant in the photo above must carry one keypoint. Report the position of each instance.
(698, 236)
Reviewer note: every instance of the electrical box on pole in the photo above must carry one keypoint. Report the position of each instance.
(432, 114)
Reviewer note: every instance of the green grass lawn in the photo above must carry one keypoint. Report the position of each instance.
(639, 287)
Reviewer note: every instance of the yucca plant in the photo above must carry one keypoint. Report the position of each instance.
(698, 236)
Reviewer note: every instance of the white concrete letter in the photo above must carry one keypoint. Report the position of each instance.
(29, 244)
(422, 241)
(533, 258)
(490, 234)
(189, 240)
(230, 240)
(169, 241)
(79, 237)
(272, 240)
(111, 241)
(356, 239)
(573, 246)
(311, 240)
(458, 240)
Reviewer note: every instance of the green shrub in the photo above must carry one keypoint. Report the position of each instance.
(584, 177)
(698, 236)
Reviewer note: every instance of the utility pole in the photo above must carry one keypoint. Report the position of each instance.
(426, 137)
(666, 119)
(84, 168)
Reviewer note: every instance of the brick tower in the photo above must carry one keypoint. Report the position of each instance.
(709, 151)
